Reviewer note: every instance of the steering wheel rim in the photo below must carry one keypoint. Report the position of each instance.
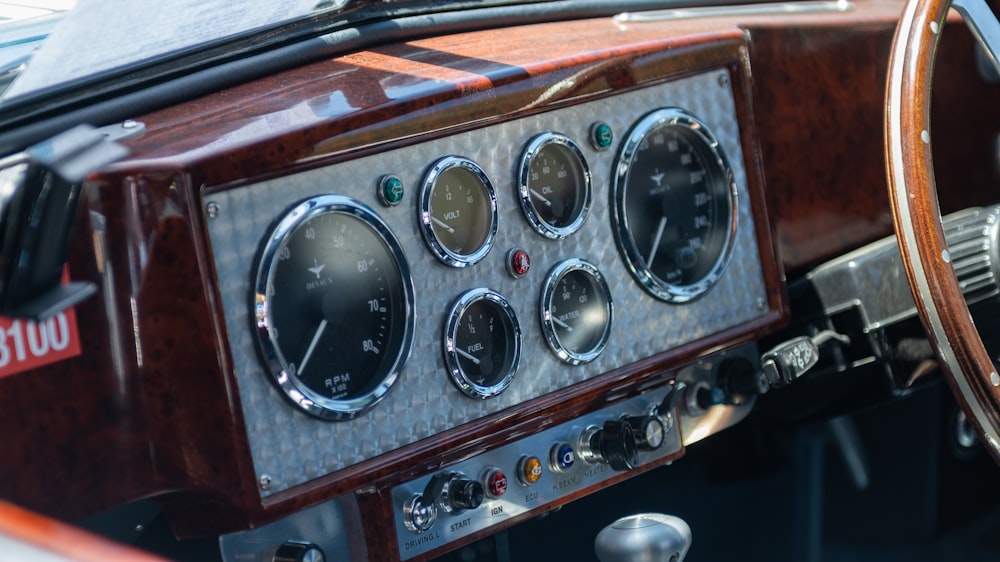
(917, 220)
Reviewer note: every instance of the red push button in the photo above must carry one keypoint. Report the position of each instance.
(518, 262)
(495, 482)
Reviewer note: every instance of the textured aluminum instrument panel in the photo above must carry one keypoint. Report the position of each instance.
(290, 447)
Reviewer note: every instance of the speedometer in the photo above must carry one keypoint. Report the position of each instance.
(333, 307)
(675, 205)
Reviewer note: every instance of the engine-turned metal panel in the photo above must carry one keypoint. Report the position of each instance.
(290, 447)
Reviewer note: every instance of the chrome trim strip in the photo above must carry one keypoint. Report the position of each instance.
(783, 8)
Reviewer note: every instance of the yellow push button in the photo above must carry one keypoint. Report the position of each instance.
(529, 470)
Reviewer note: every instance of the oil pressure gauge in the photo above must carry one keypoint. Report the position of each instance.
(554, 187)
(333, 307)
(576, 311)
(482, 343)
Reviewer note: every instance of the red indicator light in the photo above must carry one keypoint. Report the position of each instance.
(518, 262)
(496, 484)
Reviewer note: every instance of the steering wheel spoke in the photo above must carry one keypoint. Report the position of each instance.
(984, 26)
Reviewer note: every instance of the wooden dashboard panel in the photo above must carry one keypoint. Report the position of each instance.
(151, 408)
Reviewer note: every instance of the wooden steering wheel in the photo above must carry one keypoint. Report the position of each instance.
(917, 217)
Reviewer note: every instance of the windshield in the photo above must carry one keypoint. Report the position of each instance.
(59, 35)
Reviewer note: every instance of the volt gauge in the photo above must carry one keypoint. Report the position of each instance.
(458, 211)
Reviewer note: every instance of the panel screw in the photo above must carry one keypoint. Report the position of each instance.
(761, 304)
(724, 80)
(212, 209)
(265, 482)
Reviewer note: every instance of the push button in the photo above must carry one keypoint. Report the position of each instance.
(495, 482)
(529, 470)
(562, 457)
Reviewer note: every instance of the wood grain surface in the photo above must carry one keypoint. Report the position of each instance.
(150, 409)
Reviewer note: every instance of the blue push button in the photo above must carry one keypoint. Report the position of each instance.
(562, 457)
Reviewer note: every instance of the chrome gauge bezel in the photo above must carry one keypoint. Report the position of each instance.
(574, 357)
(533, 148)
(266, 335)
(635, 262)
(455, 315)
(440, 250)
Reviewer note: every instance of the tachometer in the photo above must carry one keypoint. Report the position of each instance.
(482, 343)
(458, 211)
(333, 307)
(675, 205)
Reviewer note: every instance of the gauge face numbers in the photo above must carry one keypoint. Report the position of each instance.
(458, 211)
(675, 205)
(576, 311)
(333, 307)
(482, 343)
(554, 187)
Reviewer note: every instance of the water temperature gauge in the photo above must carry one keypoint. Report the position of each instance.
(576, 311)
(482, 343)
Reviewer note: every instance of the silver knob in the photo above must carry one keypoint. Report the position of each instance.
(296, 551)
(646, 537)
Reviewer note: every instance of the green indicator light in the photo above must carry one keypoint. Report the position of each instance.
(601, 135)
(391, 190)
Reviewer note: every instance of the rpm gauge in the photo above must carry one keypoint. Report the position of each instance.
(333, 307)
(675, 205)
(554, 186)
(576, 311)
(482, 343)
(458, 211)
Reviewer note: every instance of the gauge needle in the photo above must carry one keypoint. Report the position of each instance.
(564, 325)
(542, 197)
(312, 345)
(656, 242)
(468, 356)
(443, 225)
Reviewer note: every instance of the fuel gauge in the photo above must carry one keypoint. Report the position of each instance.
(482, 343)
(576, 311)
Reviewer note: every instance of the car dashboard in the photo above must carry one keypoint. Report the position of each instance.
(399, 299)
